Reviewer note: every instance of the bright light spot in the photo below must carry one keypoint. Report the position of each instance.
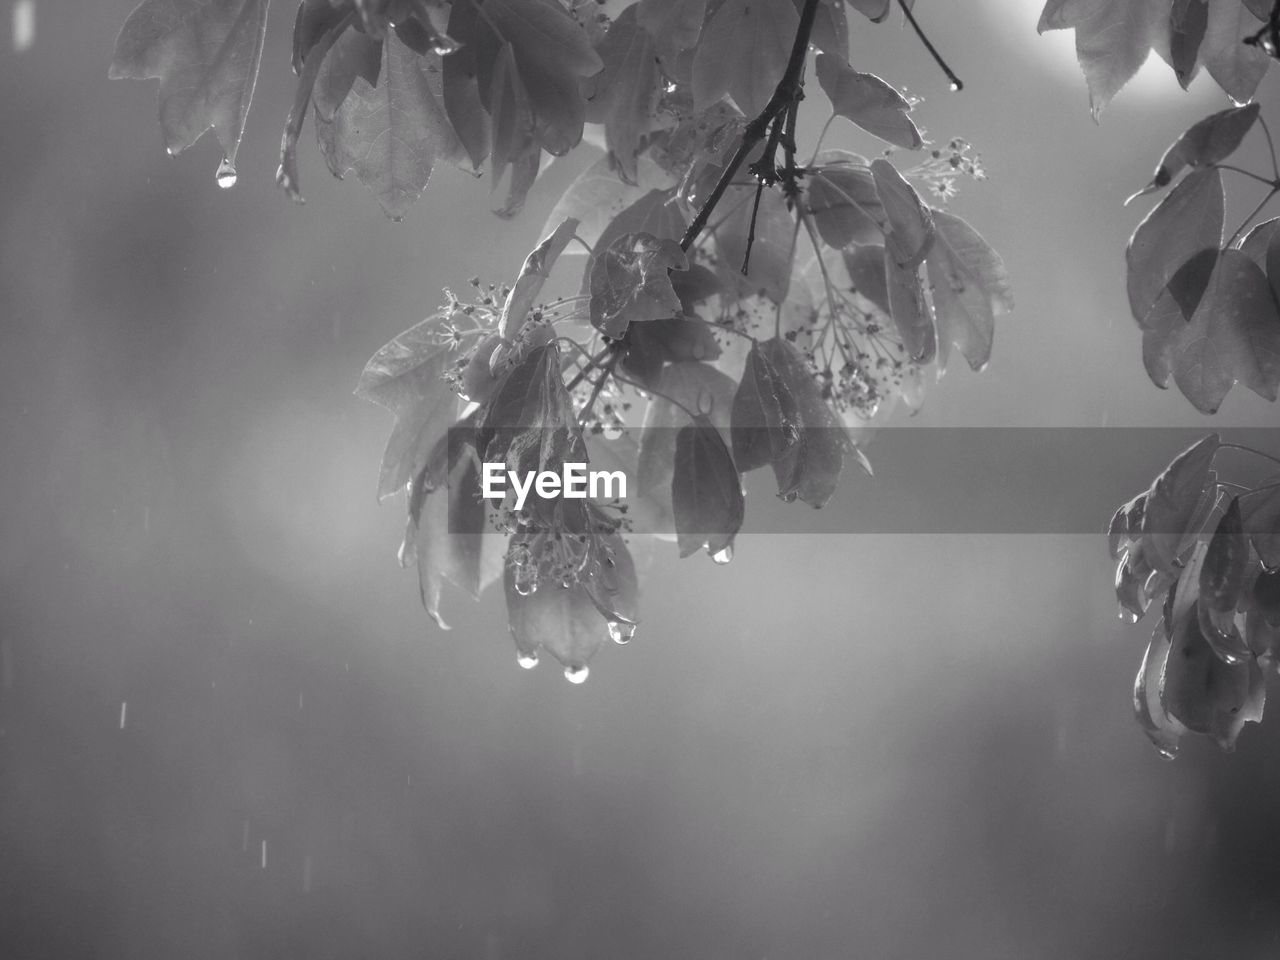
(24, 25)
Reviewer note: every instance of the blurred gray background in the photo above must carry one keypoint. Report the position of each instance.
(227, 729)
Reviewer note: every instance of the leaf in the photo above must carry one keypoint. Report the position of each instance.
(1113, 39)
(876, 10)
(671, 340)
(681, 387)
(868, 101)
(769, 270)
(743, 52)
(810, 468)
(1163, 730)
(533, 274)
(970, 288)
(765, 421)
(561, 620)
(908, 224)
(655, 213)
(1260, 515)
(1257, 242)
(1237, 67)
(448, 538)
(1186, 221)
(391, 135)
(463, 102)
(1203, 144)
(1266, 598)
(1187, 22)
(205, 53)
(624, 95)
(514, 154)
(830, 32)
(630, 282)
(1171, 502)
(406, 376)
(866, 268)
(528, 422)
(1233, 336)
(1204, 693)
(1126, 526)
(909, 310)
(354, 54)
(706, 491)
(845, 205)
(675, 25)
(597, 195)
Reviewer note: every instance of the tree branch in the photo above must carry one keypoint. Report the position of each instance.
(790, 90)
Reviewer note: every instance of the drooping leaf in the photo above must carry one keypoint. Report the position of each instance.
(808, 469)
(1189, 219)
(528, 422)
(391, 135)
(909, 228)
(970, 288)
(1233, 336)
(1236, 66)
(830, 32)
(1172, 500)
(514, 153)
(866, 268)
(1163, 730)
(1113, 39)
(743, 52)
(564, 621)
(868, 101)
(1125, 530)
(355, 54)
(407, 377)
(656, 213)
(1257, 241)
(630, 282)
(1221, 584)
(675, 25)
(624, 95)
(765, 418)
(706, 490)
(1203, 144)
(771, 252)
(845, 205)
(672, 340)
(1187, 22)
(910, 310)
(205, 53)
(533, 274)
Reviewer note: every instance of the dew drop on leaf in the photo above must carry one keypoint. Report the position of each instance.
(723, 555)
(576, 674)
(226, 175)
(527, 661)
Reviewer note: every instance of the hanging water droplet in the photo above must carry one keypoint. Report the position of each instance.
(444, 45)
(226, 175)
(1128, 616)
(526, 588)
(621, 632)
(527, 660)
(612, 431)
(576, 674)
(723, 555)
(788, 497)
(954, 86)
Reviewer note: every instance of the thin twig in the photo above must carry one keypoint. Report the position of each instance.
(1247, 173)
(1256, 210)
(956, 82)
(1271, 145)
(1248, 449)
(751, 228)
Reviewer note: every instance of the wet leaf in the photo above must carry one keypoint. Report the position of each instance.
(391, 135)
(910, 311)
(464, 102)
(1260, 513)
(205, 53)
(1126, 526)
(845, 205)
(1163, 730)
(909, 227)
(765, 420)
(1172, 500)
(1237, 67)
(630, 282)
(868, 101)
(513, 151)
(970, 288)
(743, 52)
(1203, 144)
(706, 490)
(406, 376)
(354, 54)
(564, 621)
(809, 469)
(1221, 582)
(656, 213)
(1189, 219)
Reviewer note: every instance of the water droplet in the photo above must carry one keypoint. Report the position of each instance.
(264, 854)
(526, 588)
(723, 555)
(788, 497)
(226, 175)
(576, 674)
(445, 45)
(612, 431)
(954, 86)
(1128, 616)
(621, 632)
(124, 713)
(527, 660)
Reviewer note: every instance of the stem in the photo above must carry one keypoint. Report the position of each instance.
(1247, 173)
(1248, 449)
(592, 363)
(1256, 210)
(597, 387)
(1274, 485)
(789, 90)
(956, 82)
(751, 229)
(657, 393)
(1271, 145)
